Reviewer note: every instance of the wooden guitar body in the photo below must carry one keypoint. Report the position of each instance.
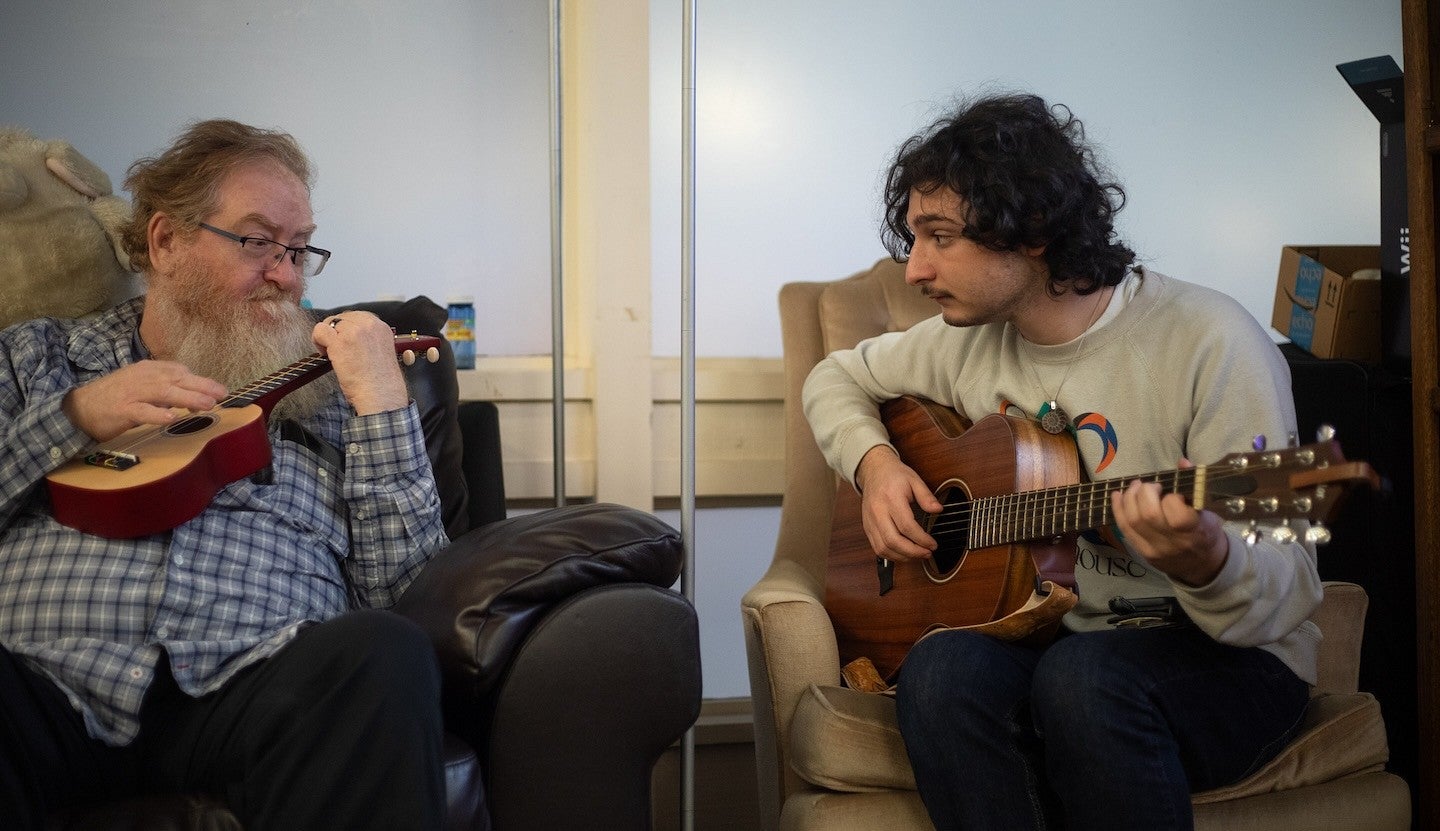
(996, 456)
(1014, 502)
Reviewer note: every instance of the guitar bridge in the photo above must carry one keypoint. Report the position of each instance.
(112, 460)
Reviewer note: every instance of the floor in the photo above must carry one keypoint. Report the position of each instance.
(725, 790)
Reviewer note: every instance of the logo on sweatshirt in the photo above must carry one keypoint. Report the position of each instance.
(1100, 426)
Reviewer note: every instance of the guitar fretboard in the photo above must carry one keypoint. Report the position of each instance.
(1053, 512)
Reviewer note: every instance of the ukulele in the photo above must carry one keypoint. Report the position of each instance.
(1013, 504)
(151, 478)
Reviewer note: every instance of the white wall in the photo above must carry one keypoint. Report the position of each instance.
(1226, 121)
(427, 121)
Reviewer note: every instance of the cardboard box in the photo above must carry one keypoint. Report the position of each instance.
(1327, 300)
(1380, 84)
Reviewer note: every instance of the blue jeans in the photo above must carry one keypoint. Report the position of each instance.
(1101, 730)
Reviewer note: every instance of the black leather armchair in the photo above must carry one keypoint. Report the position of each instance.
(569, 664)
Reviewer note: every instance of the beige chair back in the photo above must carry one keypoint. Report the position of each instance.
(815, 320)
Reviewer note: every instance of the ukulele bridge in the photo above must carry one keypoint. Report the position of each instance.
(112, 460)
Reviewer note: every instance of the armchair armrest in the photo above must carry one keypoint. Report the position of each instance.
(567, 660)
(479, 597)
(790, 645)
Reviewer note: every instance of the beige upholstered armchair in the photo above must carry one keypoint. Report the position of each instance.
(831, 758)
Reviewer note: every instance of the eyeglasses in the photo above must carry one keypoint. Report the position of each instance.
(265, 254)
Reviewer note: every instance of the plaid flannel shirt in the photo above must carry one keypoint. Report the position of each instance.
(218, 593)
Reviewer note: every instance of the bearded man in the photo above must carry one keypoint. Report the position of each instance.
(242, 654)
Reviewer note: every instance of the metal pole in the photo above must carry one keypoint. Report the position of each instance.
(687, 375)
(557, 261)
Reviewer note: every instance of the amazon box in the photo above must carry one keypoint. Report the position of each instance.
(1327, 300)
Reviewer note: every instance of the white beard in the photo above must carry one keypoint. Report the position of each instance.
(237, 343)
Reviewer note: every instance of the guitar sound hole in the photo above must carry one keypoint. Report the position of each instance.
(190, 424)
(950, 528)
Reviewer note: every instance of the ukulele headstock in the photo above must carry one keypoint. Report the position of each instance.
(406, 347)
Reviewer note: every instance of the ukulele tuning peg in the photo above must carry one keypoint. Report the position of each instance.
(1318, 534)
(1324, 432)
(1252, 535)
(1292, 440)
(432, 354)
(408, 356)
(1283, 533)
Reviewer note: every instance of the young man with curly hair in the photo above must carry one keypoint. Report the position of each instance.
(1005, 219)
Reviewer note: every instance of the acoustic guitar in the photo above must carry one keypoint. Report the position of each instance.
(151, 478)
(1014, 502)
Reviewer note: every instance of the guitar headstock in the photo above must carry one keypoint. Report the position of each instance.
(1305, 482)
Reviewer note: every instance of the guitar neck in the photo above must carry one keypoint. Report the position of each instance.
(1054, 512)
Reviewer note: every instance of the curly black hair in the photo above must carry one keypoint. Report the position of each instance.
(1027, 178)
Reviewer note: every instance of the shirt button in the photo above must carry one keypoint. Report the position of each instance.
(352, 448)
(55, 454)
(178, 560)
(137, 674)
(162, 632)
(321, 473)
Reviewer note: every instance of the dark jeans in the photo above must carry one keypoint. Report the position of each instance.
(340, 729)
(1104, 730)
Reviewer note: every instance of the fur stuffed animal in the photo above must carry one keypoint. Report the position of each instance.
(60, 253)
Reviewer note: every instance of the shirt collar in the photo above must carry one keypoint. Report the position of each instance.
(109, 339)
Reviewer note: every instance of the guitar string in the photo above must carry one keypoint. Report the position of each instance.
(1081, 497)
(959, 519)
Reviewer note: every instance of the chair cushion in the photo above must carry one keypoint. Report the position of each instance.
(848, 741)
(481, 595)
(464, 787)
(1343, 734)
(845, 740)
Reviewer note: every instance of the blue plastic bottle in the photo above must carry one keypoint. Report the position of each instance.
(460, 331)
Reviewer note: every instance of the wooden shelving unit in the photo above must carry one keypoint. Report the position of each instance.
(1422, 145)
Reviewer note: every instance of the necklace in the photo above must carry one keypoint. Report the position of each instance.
(1053, 418)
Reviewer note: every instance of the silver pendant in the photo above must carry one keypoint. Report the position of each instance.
(1053, 420)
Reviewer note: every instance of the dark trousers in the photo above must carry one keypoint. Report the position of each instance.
(1103, 730)
(340, 729)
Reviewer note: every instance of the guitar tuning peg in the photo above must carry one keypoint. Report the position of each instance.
(1258, 443)
(1283, 533)
(1318, 534)
(1252, 535)
(1324, 432)
(1292, 440)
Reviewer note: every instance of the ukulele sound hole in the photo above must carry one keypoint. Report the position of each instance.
(190, 424)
